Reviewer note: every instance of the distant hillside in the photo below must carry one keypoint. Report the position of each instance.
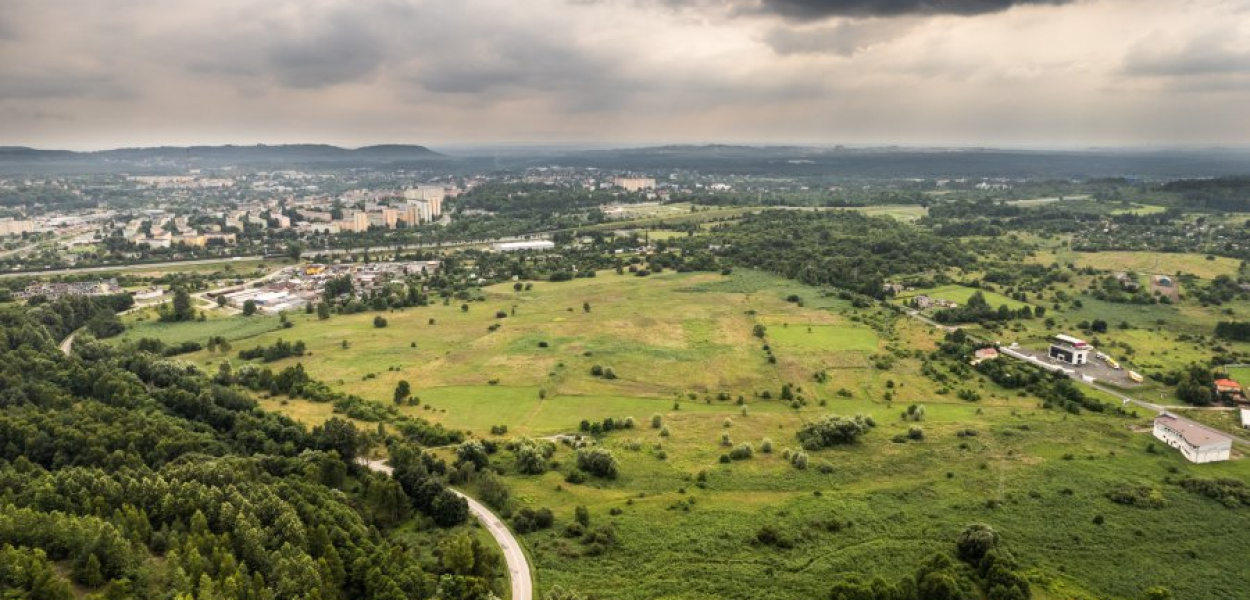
(15, 158)
(22, 153)
(898, 162)
(819, 163)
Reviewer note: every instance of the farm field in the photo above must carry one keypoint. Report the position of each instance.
(902, 212)
(1238, 374)
(659, 234)
(144, 324)
(1140, 209)
(688, 523)
(1144, 262)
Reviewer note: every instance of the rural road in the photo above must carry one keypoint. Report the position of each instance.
(1127, 399)
(67, 345)
(1158, 408)
(514, 557)
(1161, 409)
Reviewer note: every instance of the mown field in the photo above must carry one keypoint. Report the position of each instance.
(960, 295)
(682, 347)
(1144, 262)
(902, 212)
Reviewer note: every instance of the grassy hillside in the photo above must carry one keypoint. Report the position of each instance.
(687, 525)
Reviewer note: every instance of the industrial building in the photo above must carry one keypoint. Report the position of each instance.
(1198, 444)
(1073, 351)
(519, 246)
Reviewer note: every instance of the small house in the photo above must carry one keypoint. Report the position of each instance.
(1227, 388)
(984, 354)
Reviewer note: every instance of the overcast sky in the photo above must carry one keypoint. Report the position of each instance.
(86, 74)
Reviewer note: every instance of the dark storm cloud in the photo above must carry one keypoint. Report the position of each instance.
(498, 65)
(818, 9)
(845, 38)
(433, 47)
(812, 10)
(336, 55)
(313, 49)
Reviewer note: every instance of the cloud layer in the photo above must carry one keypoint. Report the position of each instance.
(985, 72)
(823, 9)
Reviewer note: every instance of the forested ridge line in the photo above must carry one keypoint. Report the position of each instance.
(131, 475)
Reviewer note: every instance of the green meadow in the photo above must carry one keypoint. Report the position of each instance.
(960, 294)
(687, 523)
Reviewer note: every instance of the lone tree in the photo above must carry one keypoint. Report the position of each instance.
(975, 541)
(585, 307)
(598, 462)
(339, 286)
(759, 330)
(323, 311)
(402, 391)
(249, 308)
(181, 309)
(473, 452)
(379, 321)
(833, 431)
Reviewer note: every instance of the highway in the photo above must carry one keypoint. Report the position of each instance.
(514, 556)
(310, 252)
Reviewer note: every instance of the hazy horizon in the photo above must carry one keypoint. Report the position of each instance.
(466, 149)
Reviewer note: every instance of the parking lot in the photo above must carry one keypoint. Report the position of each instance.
(1097, 369)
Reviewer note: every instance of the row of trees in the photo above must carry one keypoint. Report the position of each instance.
(977, 310)
(277, 351)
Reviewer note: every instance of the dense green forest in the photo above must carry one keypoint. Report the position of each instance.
(839, 249)
(130, 475)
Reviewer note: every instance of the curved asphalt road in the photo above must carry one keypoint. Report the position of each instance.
(514, 557)
(518, 565)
